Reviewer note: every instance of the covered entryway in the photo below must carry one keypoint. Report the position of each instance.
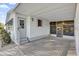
(38, 17)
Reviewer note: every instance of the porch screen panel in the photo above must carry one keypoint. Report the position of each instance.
(68, 28)
(52, 27)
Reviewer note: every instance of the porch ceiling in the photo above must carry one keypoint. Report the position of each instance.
(49, 11)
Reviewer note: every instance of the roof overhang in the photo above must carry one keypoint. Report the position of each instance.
(9, 13)
(49, 11)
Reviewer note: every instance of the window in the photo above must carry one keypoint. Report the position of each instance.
(10, 24)
(39, 23)
(22, 23)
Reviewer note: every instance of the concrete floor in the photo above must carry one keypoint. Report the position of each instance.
(43, 47)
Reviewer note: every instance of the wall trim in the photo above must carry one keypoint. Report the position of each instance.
(39, 37)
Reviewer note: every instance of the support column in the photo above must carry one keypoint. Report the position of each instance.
(28, 26)
(16, 33)
(76, 23)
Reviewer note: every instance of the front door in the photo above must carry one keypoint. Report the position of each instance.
(22, 28)
(59, 32)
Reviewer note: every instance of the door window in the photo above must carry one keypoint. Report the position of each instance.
(22, 23)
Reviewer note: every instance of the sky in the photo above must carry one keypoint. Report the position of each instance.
(4, 8)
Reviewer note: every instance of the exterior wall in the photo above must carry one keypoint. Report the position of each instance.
(77, 29)
(38, 32)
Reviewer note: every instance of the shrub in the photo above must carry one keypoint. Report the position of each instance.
(4, 36)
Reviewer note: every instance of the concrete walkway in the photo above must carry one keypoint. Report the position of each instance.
(42, 47)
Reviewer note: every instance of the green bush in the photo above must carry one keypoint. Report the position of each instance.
(4, 36)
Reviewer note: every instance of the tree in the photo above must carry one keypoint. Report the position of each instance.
(1, 26)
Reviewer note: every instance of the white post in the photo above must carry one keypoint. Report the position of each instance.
(76, 23)
(16, 33)
(28, 26)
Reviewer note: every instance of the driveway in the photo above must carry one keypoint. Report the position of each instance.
(43, 47)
